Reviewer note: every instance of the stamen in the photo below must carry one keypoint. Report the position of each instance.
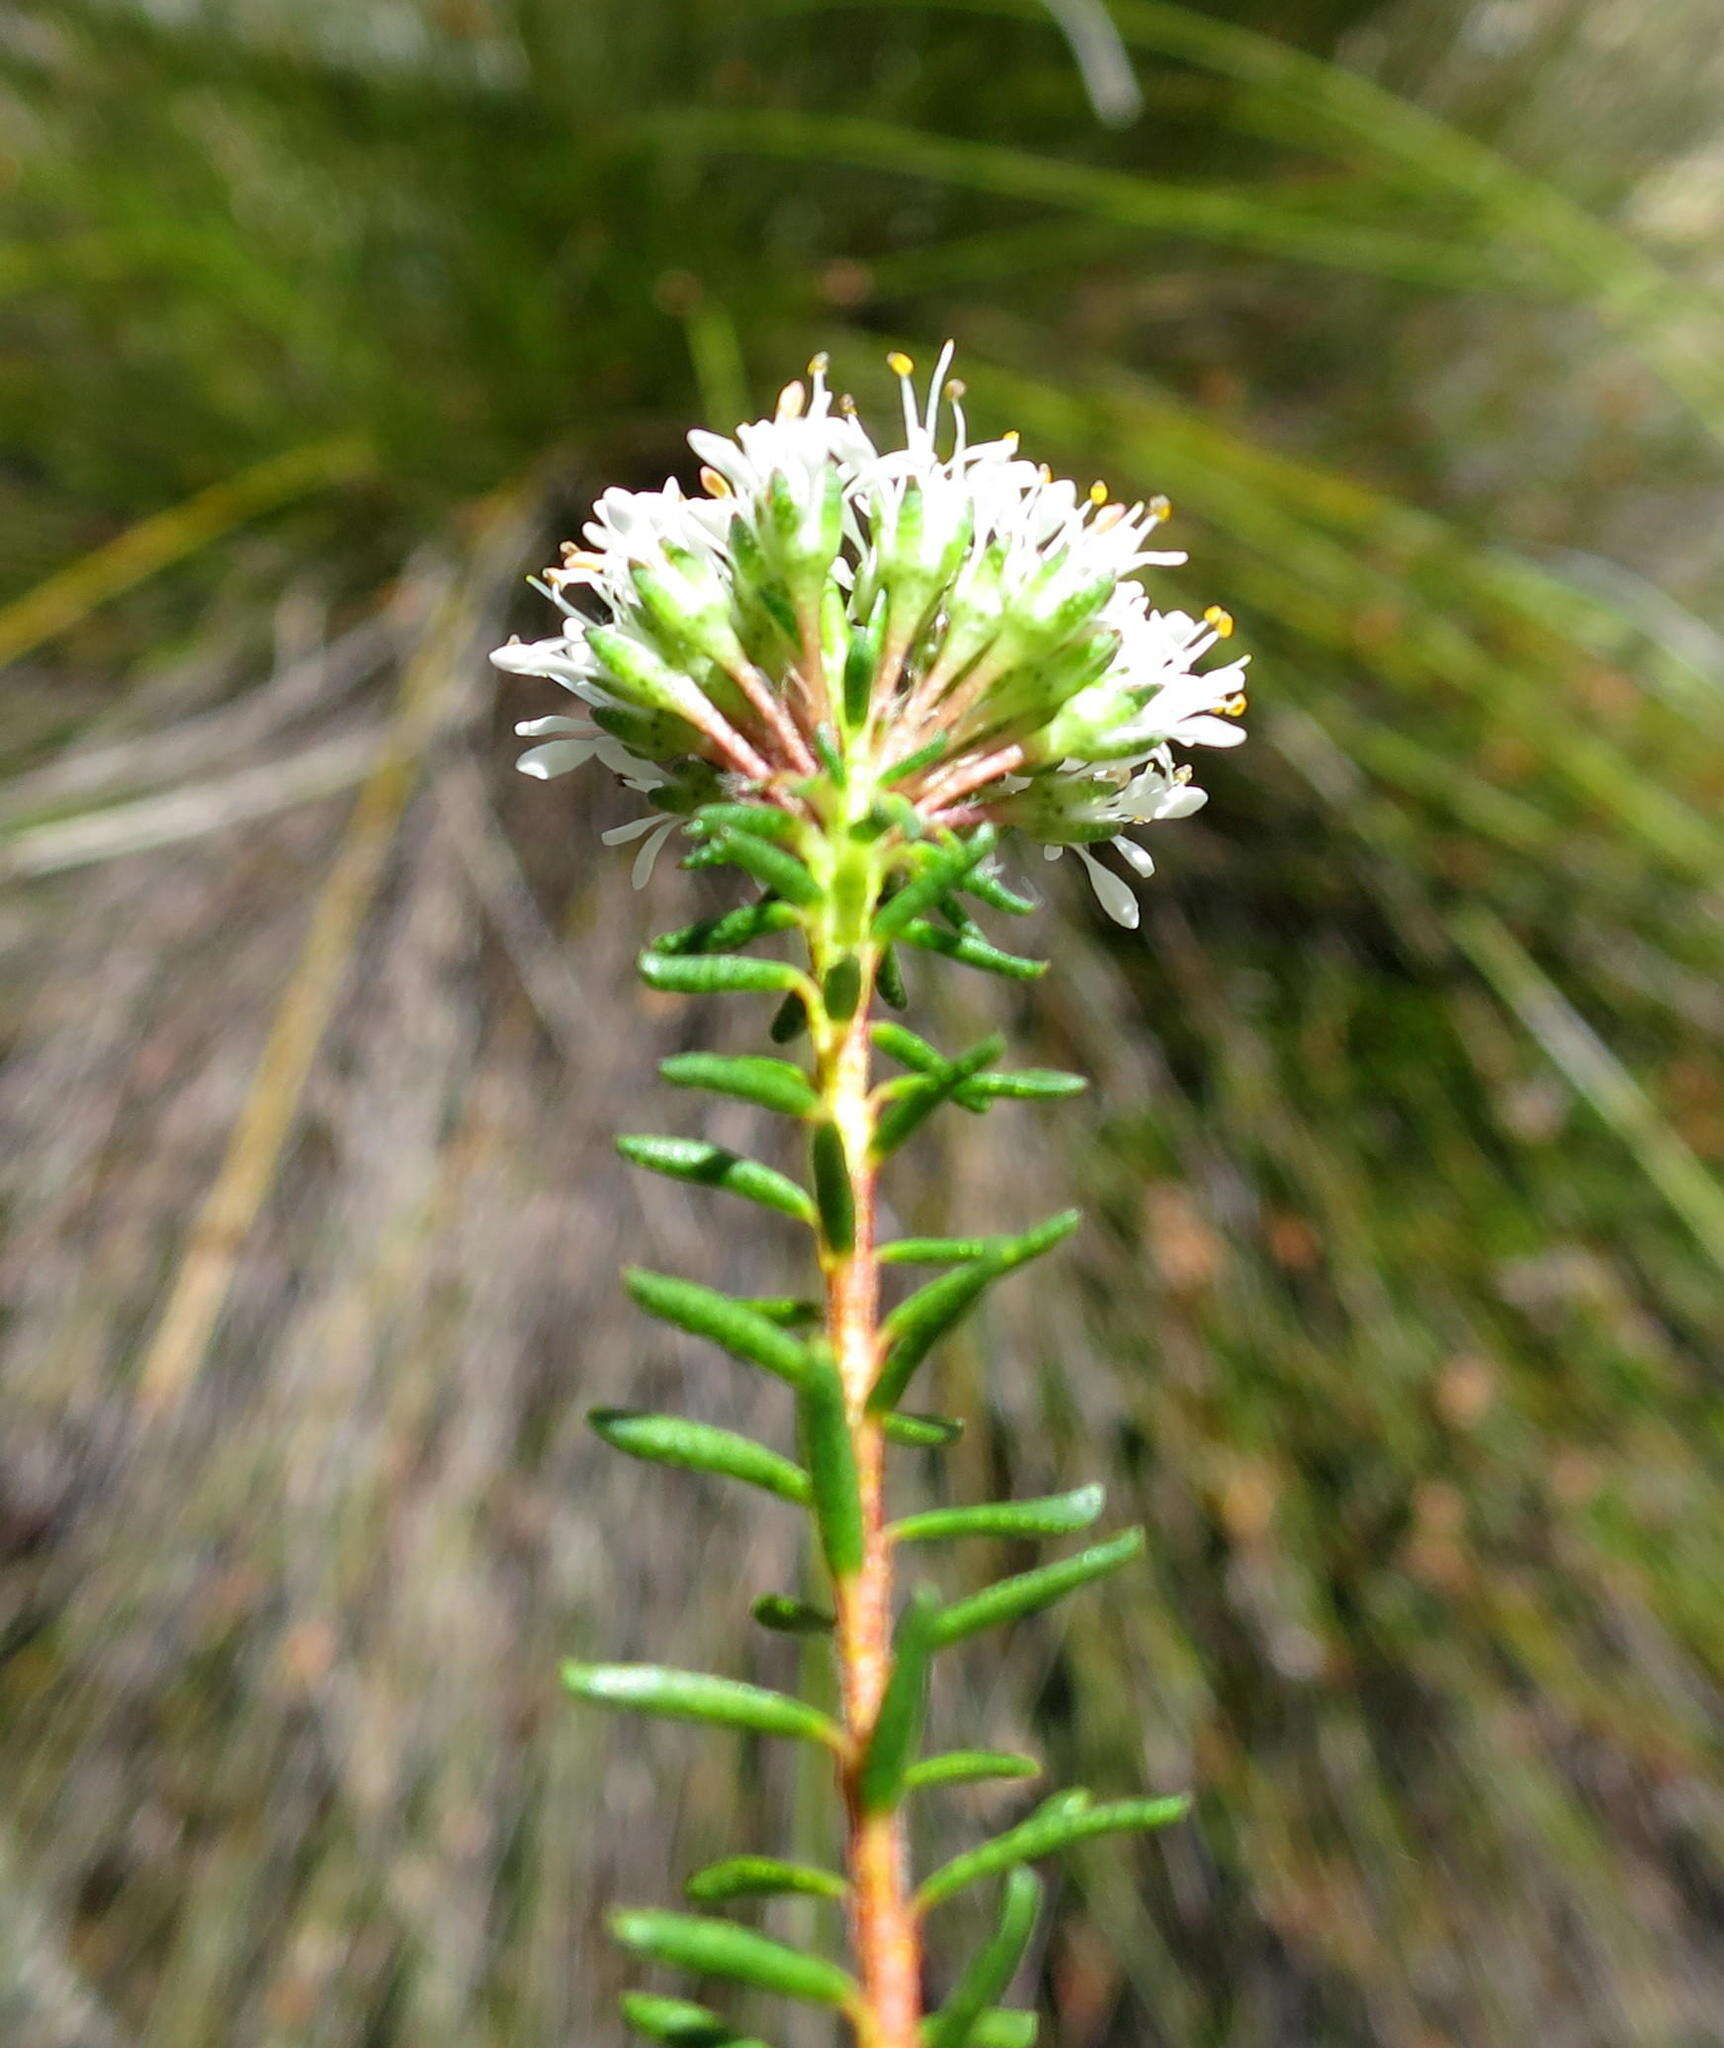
(1160, 507)
(904, 369)
(714, 485)
(1235, 706)
(1220, 619)
(935, 387)
(1099, 492)
(792, 401)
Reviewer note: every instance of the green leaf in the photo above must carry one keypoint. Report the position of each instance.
(834, 1193)
(715, 1948)
(789, 1617)
(772, 1084)
(942, 868)
(1055, 1514)
(680, 2023)
(789, 1020)
(789, 1311)
(695, 1696)
(989, 889)
(921, 1432)
(1028, 1084)
(996, 2028)
(841, 990)
(771, 865)
(968, 1767)
(829, 1451)
(737, 927)
(705, 974)
(935, 1251)
(916, 1325)
(904, 1115)
(897, 1730)
(761, 1877)
(763, 820)
(704, 1312)
(711, 1166)
(1045, 1834)
(994, 1965)
(1029, 1592)
(970, 951)
(889, 980)
(700, 1447)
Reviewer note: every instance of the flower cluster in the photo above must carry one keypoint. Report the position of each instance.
(962, 630)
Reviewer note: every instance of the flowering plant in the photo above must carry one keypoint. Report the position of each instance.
(848, 672)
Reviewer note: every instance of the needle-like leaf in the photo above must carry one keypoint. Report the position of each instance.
(773, 1084)
(993, 1967)
(694, 1696)
(715, 1948)
(1057, 1514)
(700, 1447)
(1045, 1834)
(1030, 1592)
(704, 1312)
(711, 1166)
(761, 1877)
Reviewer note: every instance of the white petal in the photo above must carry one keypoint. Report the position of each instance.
(620, 835)
(649, 853)
(1116, 897)
(538, 728)
(1205, 731)
(1134, 856)
(1180, 801)
(555, 757)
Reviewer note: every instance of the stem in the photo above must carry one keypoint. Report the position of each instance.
(884, 1922)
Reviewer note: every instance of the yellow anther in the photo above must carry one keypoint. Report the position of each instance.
(1160, 507)
(713, 484)
(1010, 439)
(820, 364)
(1220, 619)
(791, 401)
(955, 389)
(1183, 772)
(900, 364)
(1098, 492)
(1235, 706)
(847, 406)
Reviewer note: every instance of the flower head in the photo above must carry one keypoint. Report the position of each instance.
(960, 629)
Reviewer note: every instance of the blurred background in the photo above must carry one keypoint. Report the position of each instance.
(1398, 1315)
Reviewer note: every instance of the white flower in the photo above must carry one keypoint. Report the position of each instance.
(964, 613)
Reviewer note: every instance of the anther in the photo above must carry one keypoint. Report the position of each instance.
(1220, 619)
(1098, 492)
(1160, 507)
(956, 388)
(713, 484)
(1235, 706)
(791, 401)
(900, 364)
(820, 364)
